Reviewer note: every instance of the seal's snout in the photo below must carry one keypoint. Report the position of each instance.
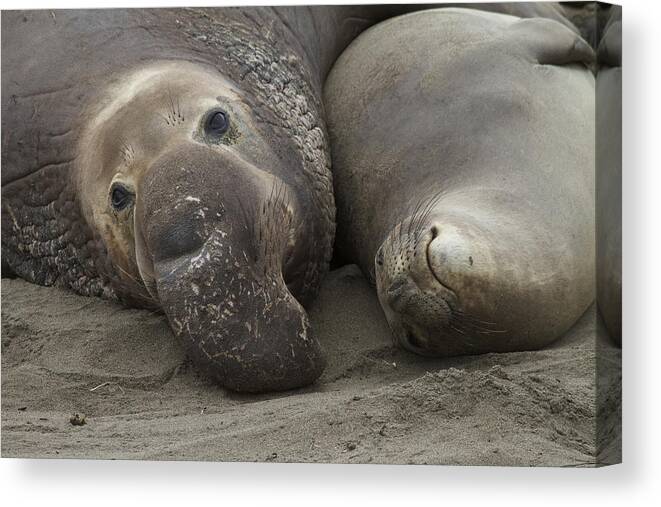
(412, 269)
(405, 267)
(450, 255)
(245, 331)
(429, 285)
(217, 272)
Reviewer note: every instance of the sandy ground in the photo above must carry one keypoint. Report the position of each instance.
(125, 372)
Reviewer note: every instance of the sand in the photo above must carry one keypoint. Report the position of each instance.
(125, 373)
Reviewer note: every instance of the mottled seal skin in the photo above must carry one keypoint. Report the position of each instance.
(178, 159)
(463, 162)
(609, 175)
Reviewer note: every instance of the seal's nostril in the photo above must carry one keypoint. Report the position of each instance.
(434, 232)
(175, 239)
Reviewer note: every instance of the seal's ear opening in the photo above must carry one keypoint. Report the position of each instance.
(552, 43)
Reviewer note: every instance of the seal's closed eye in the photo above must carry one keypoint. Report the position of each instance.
(216, 123)
(379, 257)
(120, 197)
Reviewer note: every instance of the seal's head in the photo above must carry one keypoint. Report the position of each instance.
(200, 212)
(434, 277)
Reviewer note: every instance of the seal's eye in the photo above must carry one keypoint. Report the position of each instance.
(379, 257)
(120, 197)
(216, 123)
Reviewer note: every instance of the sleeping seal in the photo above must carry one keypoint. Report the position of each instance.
(178, 159)
(463, 163)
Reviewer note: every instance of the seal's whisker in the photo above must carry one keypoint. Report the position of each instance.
(421, 213)
(458, 330)
(416, 211)
(171, 100)
(121, 284)
(179, 115)
(473, 326)
(274, 224)
(166, 119)
(431, 203)
(126, 150)
(469, 320)
(467, 324)
(128, 275)
(173, 106)
(248, 215)
(458, 324)
(472, 317)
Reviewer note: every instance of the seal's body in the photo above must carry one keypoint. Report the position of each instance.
(178, 159)
(463, 161)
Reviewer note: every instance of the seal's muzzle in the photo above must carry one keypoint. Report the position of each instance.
(219, 277)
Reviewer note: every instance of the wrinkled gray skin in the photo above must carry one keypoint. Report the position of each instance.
(609, 175)
(463, 163)
(229, 236)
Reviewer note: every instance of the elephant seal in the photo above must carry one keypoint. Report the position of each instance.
(463, 164)
(609, 175)
(178, 159)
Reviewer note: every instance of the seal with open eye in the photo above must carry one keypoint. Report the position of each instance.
(178, 159)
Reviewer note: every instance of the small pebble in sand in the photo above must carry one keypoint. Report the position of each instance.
(77, 420)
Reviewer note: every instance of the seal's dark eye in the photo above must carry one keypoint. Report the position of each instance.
(216, 124)
(120, 197)
(379, 257)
